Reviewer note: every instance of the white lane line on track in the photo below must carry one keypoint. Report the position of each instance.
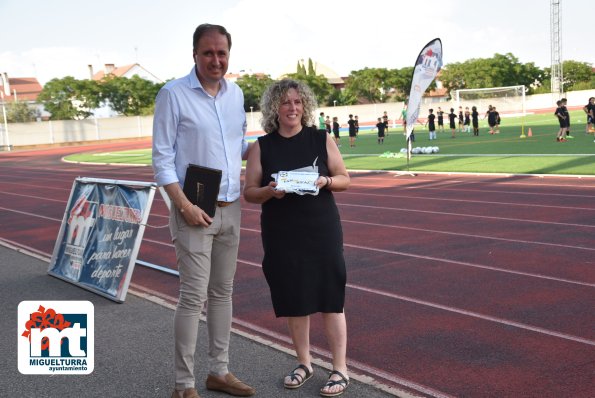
(460, 311)
(458, 200)
(166, 301)
(462, 263)
(477, 315)
(469, 215)
(467, 264)
(528, 242)
(533, 275)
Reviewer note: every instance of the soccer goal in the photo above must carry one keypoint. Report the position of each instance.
(509, 101)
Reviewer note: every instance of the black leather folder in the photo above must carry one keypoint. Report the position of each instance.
(201, 187)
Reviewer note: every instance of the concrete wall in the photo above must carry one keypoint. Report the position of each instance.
(64, 131)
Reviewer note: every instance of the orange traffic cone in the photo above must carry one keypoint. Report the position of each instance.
(529, 133)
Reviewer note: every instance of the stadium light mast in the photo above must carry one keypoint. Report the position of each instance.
(556, 49)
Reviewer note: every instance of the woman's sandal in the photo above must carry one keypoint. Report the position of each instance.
(343, 382)
(294, 375)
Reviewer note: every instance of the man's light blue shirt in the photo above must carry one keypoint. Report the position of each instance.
(191, 126)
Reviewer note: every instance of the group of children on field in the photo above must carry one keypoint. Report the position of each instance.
(465, 119)
(564, 119)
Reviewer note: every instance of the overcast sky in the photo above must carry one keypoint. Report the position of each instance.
(56, 38)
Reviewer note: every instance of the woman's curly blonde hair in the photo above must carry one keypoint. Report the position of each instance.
(276, 93)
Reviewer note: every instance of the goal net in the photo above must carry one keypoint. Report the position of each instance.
(507, 100)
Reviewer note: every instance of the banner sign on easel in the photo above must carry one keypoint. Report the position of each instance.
(100, 235)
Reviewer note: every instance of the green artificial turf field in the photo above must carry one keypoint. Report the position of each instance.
(506, 152)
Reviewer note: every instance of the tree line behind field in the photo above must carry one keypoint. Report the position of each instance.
(69, 98)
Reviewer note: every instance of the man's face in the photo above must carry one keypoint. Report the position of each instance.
(212, 57)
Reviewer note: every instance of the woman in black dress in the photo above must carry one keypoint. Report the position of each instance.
(301, 234)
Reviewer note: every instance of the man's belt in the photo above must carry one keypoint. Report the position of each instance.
(223, 204)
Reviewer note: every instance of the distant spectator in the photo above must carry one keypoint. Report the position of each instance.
(385, 121)
(440, 115)
(590, 111)
(452, 117)
(461, 119)
(467, 122)
(431, 125)
(497, 120)
(336, 131)
(564, 103)
(321, 124)
(475, 120)
(381, 126)
(351, 123)
(561, 115)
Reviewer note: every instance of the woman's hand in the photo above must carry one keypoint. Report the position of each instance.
(277, 194)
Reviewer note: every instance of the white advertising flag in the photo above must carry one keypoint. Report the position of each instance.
(427, 66)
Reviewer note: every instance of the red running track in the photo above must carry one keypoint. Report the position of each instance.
(458, 285)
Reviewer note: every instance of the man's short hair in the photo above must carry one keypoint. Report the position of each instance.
(206, 27)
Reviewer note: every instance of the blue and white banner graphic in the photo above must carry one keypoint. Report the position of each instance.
(427, 66)
(100, 236)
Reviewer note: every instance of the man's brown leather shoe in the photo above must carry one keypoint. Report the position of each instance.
(229, 384)
(187, 393)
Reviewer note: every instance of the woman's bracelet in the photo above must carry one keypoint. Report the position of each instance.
(329, 181)
(187, 205)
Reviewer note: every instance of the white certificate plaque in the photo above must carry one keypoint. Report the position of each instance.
(300, 182)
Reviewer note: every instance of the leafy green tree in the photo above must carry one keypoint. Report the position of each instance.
(311, 70)
(130, 96)
(19, 112)
(400, 81)
(253, 86)
(319, 85)
(69, 98)
(576, 75)
(369, 83)
(500, 70)
(340, 98)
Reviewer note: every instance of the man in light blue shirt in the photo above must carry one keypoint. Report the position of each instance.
(200, 119)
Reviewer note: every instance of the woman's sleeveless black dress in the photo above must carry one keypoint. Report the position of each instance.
(301, 234)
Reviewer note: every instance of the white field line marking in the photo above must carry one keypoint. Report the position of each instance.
(118, 154)
(474, 155)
